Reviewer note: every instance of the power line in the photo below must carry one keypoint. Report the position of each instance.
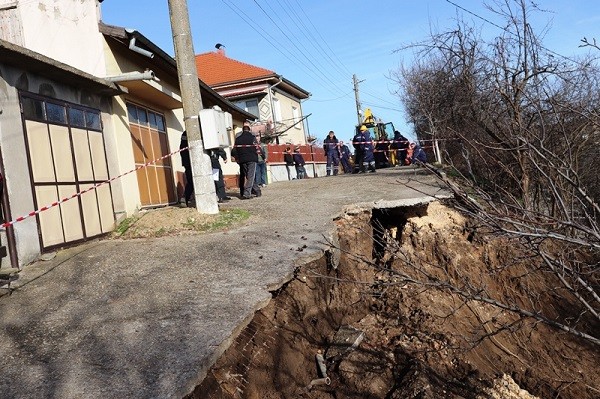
(313, 40)
(505, 29)
(321, 36)
(331, 99)
(271, 40)
(378, 98)
(381, 107)
(294, 44)
(301, 30)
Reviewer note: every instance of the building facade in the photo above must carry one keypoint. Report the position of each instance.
(84, 107)
(274, 101)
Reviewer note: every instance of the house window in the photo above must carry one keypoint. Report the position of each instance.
(250, 106)
(276, 110)
(296, 116)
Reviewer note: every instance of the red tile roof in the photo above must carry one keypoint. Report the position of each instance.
(215, 68)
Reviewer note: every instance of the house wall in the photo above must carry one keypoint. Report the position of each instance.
(294, 135)
(12, 143)
(119, 147)
(65, 30)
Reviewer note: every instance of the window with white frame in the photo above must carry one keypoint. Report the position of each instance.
(250, 106)
(276, 110)
(296, 116)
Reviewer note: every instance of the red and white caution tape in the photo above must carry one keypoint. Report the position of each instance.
(45, 208)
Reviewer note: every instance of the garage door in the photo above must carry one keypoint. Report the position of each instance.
(149, 140)
(66, 155)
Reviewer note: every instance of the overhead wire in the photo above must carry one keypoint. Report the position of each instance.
(322, 38)
(316, 43)
(505, 29)
(332, 99)
(296, 46)
(271, 40)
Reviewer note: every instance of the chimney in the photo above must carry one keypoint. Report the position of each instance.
(220, 49)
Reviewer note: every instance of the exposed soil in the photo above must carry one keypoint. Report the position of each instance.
(382, 333)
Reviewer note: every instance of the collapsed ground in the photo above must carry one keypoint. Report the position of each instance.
(382, 333)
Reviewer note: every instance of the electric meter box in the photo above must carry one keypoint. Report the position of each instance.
(215, 128)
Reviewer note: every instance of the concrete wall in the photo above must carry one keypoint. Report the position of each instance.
(12, 143)
(65, 30)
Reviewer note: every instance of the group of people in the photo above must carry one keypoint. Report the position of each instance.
(252, 158)
(383, 154)
(336, 152)
(368, 154)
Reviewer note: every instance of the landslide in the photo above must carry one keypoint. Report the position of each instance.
(411, 339)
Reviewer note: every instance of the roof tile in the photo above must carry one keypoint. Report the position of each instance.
(216, 68)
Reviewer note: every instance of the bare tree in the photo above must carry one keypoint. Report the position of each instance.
(520, 130)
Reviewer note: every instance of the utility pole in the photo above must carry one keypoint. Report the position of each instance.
(204, 188)
(358, 112)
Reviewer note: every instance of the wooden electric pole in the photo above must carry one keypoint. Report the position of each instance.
(204, 188)
(355, 82)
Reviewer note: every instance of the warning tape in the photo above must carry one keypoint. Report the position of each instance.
(79, 194)
(374, 142)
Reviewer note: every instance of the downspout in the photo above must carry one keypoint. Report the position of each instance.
(133, 47)
(306, 134)
(131, 76)
(271, 103)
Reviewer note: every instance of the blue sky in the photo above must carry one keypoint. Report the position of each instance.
(319, 45)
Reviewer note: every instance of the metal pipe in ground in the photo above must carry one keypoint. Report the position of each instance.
(323, 369)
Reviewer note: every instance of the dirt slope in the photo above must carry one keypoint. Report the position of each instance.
(412, 340)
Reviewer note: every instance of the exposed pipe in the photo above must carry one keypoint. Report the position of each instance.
(135, 48)
(319, 381)
(321, 363)
(323, 369)
(131, 76)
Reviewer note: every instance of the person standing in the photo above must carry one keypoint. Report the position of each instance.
(187, 167)
(400, 145)
(288, 158)
(345, 157)
(367, 150)
(330, 146)
(382, 147)
(245, 152)
(215, 154)
(359, 149)
(261, 166)
(299, 163)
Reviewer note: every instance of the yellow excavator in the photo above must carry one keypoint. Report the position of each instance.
(379, 130)
(383, 134)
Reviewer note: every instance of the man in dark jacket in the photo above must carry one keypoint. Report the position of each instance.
(418, 155)
(400, 144)
(367, 149)
(345, 157)
(299, 163)
(187, 166)
(289, 161)
(359, 153)
(215, 154)
(330, 146)
(245, 152)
